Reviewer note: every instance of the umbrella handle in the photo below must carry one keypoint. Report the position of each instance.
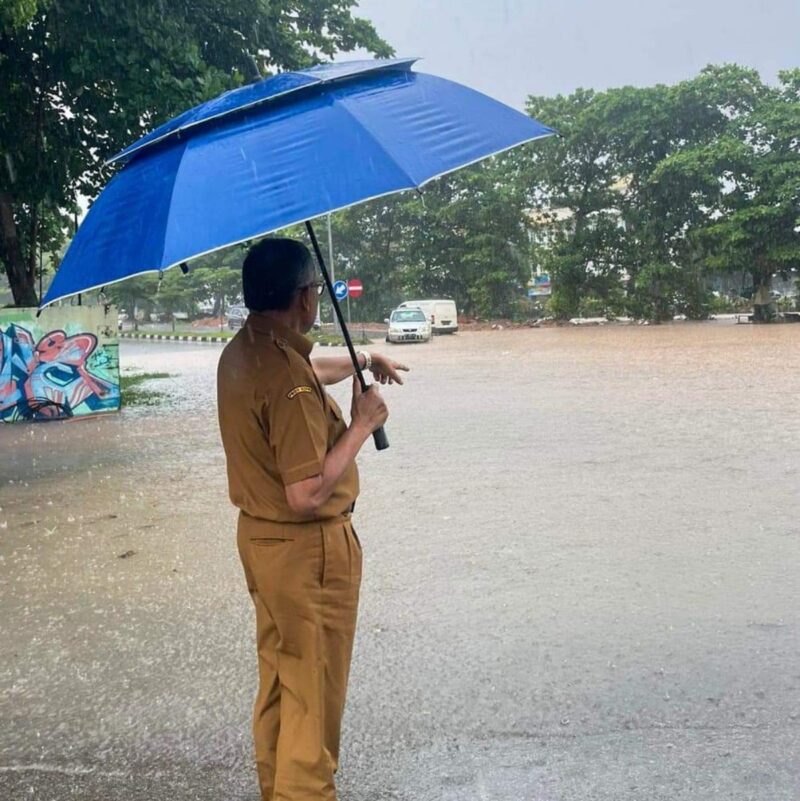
(381, 440)
(379, 435)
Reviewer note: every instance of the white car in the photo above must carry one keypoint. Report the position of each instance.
(408, 325)
(441, 313)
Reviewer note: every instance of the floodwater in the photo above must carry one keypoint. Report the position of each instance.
(580, 580)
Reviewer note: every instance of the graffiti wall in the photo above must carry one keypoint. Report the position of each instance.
(63, 364)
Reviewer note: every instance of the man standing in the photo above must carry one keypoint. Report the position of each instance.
(292, 473)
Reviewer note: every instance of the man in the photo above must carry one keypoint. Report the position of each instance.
(292, 473)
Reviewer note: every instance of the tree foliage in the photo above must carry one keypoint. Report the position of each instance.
(463, 237)
(646, 195)
(746, 188)
(80, 80)
(651, 180)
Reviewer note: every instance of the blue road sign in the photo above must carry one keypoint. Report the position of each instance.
(340, 290)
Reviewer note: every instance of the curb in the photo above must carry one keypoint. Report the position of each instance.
(173, 337)
(195, 338)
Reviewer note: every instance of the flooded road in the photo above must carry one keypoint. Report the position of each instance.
(580, 580)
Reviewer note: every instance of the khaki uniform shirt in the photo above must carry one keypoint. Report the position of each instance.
(277, 422)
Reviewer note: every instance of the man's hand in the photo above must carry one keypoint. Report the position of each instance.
(368, 410)
(385, 370)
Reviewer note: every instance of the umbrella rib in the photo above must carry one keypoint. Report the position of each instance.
(413, 183)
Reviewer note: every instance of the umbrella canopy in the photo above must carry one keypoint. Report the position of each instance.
(281, 151)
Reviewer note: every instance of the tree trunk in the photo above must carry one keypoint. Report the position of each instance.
(763, 307)
(19, 278)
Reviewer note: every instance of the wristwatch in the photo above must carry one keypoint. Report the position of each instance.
(367, 358)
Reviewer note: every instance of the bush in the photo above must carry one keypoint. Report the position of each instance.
(727, 305)
(563, 303)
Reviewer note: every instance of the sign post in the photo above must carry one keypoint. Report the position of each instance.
(355, 289)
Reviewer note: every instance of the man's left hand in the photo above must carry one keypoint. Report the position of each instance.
(385, 370)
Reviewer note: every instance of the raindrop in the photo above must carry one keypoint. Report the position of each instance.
(12, 173)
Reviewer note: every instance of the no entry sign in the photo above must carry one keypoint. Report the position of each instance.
(355, 288)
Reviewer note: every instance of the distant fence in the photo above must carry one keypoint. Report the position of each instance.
(60, 365)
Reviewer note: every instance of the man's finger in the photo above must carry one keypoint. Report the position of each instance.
(392, 373)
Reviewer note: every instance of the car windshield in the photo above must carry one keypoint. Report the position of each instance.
(408, 316)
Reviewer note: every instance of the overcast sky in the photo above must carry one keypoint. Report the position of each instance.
(512, 48)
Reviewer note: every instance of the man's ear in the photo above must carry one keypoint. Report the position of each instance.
(305, 299)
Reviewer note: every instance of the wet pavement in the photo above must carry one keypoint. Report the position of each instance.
(581, 559)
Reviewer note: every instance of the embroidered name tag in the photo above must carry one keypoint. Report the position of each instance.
(298, 391)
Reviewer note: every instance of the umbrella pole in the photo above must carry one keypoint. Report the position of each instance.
(381, 441)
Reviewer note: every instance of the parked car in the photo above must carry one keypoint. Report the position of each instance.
(235, 317)
(408, 325)
(441, 313)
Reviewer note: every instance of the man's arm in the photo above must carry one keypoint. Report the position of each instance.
(369, 412)
(333, 369)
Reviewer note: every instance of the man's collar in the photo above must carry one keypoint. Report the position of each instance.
(265, 324)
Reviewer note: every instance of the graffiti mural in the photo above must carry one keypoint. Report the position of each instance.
(55, 373)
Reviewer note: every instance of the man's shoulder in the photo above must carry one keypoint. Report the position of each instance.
(246, 350)
(268, 363)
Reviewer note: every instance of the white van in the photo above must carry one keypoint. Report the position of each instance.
(441, 313)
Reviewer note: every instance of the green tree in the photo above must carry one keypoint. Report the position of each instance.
(650, 126)
(14, 13)
(79, 81)
(368, 244)
(219, 283)
(606, 216)
(574, 192)
(747, 189)
(216, 277)
(134, 295)
(463, 237)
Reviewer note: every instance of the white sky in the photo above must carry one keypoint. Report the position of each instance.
(512, 48)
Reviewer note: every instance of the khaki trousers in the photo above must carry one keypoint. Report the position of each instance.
(304, 580)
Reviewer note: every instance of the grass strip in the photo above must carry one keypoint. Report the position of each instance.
(135, 395)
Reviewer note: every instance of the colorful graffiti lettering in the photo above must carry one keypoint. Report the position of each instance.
(54, 378)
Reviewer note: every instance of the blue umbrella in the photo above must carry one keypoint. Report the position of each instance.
(281, 151)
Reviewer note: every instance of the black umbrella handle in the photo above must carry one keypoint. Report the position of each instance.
(379, 435)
